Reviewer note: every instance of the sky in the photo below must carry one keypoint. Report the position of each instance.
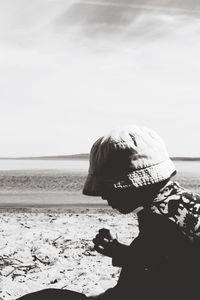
(70, 71)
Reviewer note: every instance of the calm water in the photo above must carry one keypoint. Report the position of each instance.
(38, 191)
(189, 167)
(78, 165)
(46, 164)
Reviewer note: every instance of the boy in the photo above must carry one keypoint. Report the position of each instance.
(131, 169)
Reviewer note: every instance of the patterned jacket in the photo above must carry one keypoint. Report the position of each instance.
(181, 206)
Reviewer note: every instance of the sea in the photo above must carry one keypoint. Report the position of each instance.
(59, 182)
(75, 165)
(44, 165)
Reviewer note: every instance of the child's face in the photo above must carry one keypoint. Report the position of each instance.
(124, 201)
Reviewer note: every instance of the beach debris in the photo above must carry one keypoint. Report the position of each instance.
(58, 254)
(54, 241)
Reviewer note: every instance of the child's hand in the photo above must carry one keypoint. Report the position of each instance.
(105, 243)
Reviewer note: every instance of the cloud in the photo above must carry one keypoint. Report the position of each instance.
(70, 71)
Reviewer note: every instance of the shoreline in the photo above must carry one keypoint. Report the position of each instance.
(54, 200)
(75, 209)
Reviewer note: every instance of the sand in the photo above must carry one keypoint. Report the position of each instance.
(43, 248)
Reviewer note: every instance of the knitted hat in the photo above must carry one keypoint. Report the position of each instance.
(129, 157)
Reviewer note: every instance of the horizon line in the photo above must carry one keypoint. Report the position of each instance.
(83, 156)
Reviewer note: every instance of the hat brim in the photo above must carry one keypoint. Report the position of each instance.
(96, 185)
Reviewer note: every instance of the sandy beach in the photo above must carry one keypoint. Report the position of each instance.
(52, 247)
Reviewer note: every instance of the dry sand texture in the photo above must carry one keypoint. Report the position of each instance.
(53, 248)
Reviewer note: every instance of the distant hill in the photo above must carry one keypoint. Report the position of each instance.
(81, 156)
(185, 158)
(85, 156)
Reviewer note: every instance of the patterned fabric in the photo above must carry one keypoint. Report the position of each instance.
(181, 206)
